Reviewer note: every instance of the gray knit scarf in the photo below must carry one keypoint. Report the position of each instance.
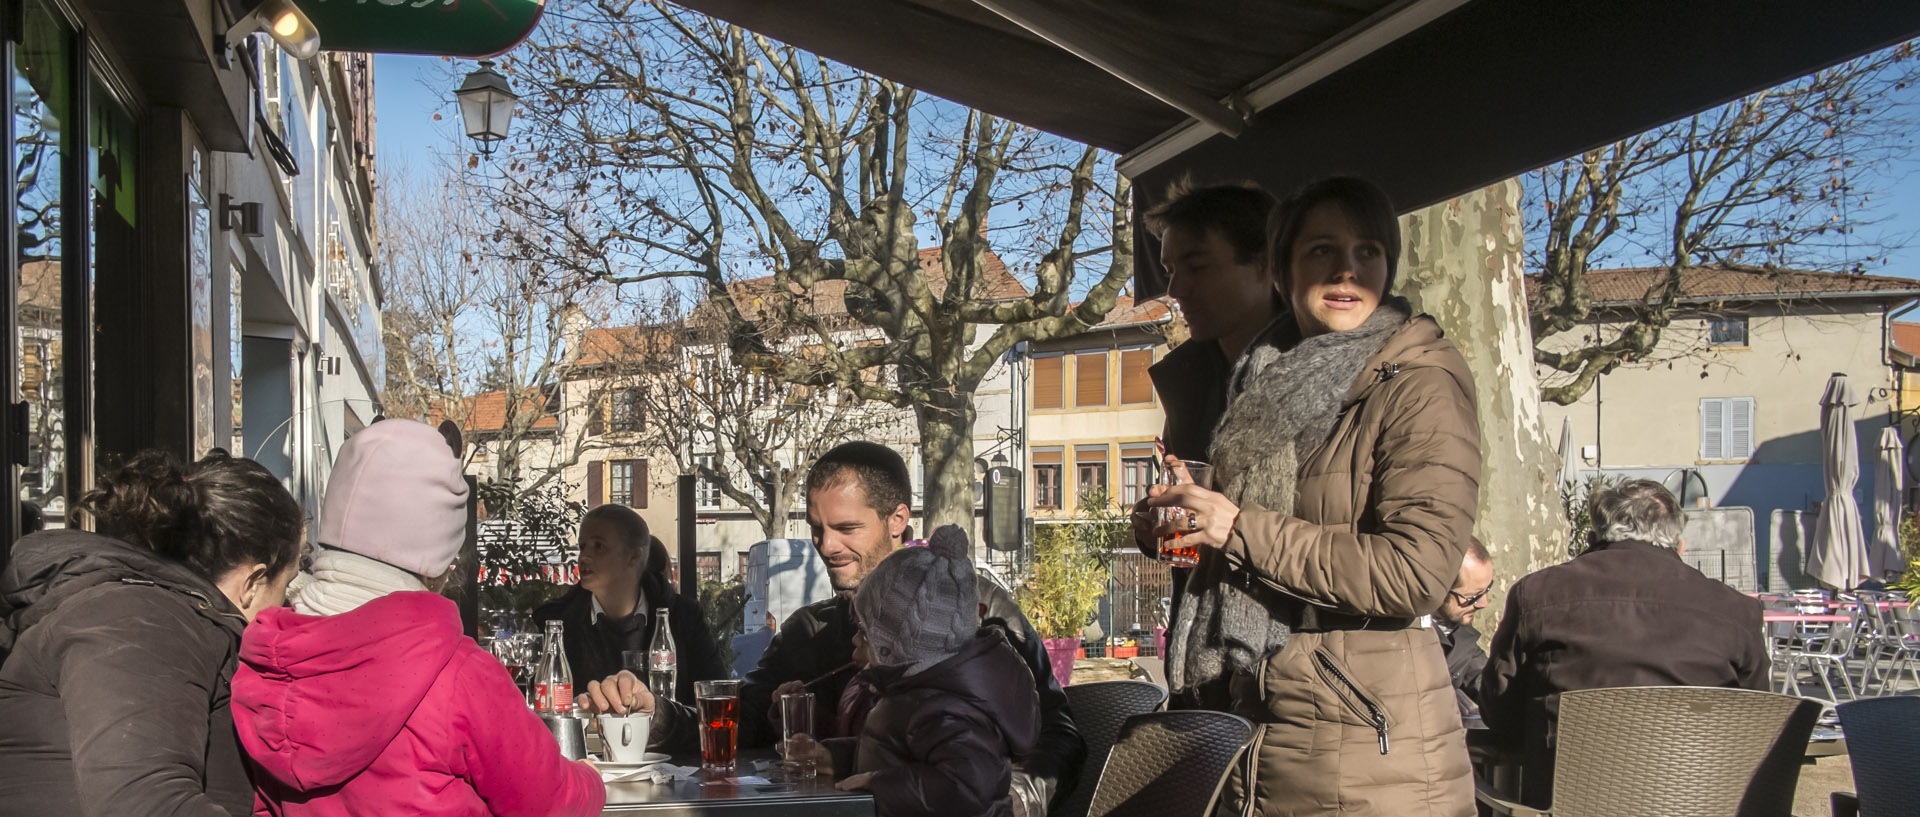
(1282, 404)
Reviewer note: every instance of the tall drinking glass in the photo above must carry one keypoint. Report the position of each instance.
(796, 734)
(1171, 550)
(719, 726)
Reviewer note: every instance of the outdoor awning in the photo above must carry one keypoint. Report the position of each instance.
(1429, 98)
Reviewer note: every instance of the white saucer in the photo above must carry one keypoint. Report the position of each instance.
(648, 759)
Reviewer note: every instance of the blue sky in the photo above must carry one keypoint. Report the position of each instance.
(410, 90)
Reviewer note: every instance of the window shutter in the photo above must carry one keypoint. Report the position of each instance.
(596, 480)
(1739, 428)
(639, 498)
(1713, 426)
(1090, 379)
(1048, 375)
(1135, 385)
(597, 414)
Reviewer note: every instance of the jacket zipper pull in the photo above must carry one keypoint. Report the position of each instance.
(1380, 726)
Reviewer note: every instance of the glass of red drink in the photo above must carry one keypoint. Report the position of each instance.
(1188, 472)
(719, 704)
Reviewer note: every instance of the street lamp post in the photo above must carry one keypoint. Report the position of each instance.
(486, 106)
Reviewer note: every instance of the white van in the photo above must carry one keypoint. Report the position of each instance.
(783, 575)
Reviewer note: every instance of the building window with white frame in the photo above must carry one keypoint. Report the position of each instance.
(706, 490)
(1726, 428)
(1047, 466)
(1137, 471)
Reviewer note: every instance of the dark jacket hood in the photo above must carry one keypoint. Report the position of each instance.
(47, 568)
(988, 675)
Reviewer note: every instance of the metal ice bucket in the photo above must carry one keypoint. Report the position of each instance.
(570, 732)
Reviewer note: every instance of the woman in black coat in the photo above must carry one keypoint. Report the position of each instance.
(623, 584)
(119, 648)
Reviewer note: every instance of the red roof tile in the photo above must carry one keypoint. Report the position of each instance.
(1127, 313)
(828, 298)
(488, 412)
(1906, 337)
(1734, 284)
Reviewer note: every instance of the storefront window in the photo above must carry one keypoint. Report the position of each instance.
(115, 371)
(43, 129)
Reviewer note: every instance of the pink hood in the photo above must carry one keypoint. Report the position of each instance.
(328, 694)
(390, 709)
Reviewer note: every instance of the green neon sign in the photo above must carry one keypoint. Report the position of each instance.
(452, 28)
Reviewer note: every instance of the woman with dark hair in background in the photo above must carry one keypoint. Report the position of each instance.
(120, 646)
(623, 585)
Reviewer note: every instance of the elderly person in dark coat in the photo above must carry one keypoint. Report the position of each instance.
(1466, 662)
(1628, 612)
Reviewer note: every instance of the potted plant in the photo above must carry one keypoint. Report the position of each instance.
(1070, 573)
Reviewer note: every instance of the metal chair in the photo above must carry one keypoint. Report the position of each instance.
(1099, 710)
(1170, 764)
(1825, 647)
(1698, 751)
(1883, 741)
(1901, 650)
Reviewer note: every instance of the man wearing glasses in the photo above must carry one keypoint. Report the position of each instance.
(1458, 639)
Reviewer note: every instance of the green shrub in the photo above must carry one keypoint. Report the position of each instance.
(722, 604)
(1574, 498)
(1070, 568)
(1910, 550)
(537, 534)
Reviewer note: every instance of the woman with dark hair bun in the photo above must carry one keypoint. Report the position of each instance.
(119, 647)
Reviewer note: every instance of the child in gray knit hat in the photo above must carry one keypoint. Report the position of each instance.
(956, 705)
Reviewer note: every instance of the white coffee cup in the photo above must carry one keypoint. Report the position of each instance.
(625, 736)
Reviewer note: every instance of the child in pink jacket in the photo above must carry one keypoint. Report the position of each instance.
(365, 697)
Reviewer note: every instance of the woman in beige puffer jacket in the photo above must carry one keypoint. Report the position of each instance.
(1348, 466)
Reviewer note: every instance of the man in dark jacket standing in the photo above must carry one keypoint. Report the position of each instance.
(1213, 248)
(623, 583)
(1466, 662)
(1628, 612)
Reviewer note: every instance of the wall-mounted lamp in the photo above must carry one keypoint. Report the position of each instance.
(281, 20)
(252, 216)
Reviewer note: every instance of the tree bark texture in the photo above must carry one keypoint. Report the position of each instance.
(1463, 264)
(946, 445)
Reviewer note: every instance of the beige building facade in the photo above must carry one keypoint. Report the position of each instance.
(1092, 416)
(1726, 411)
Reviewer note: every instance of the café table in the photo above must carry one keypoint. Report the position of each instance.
(815, 797)
(1888, 604)
(1804, 618)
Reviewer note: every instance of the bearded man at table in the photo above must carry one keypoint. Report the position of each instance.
(1628, 612)
(858, 498)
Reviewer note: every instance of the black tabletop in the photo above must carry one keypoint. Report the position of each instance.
(814, 797)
